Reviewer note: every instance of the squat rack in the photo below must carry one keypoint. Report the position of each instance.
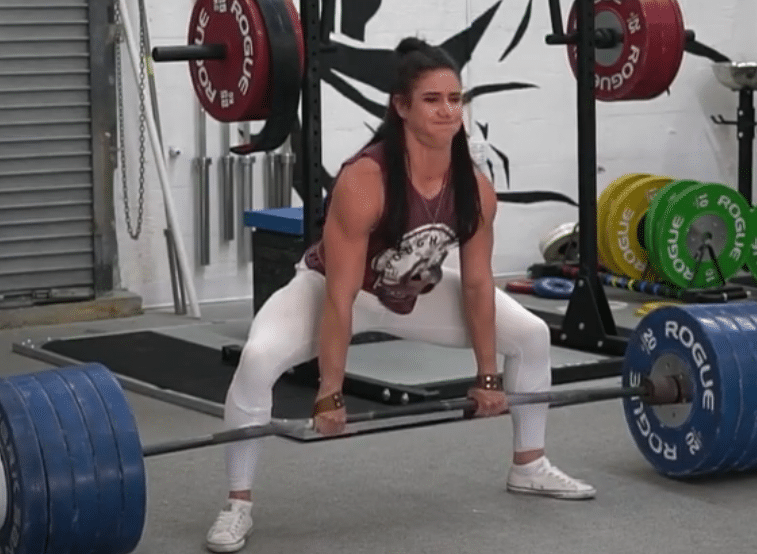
(588, 323)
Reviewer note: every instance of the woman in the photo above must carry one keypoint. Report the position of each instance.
(395, 211)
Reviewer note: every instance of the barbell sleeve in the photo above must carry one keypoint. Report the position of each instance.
(604, 38)
(661, 391)
(189, 52)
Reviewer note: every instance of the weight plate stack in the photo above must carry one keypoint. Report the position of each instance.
(625, 219)
(712, 213)
(603, 207)
(688, 439)
(744, 315)
(87, 526)
(750, 258)
(742, 334)
(658, 205)
(25, 480)
(107, 460)
(644, 64)
(131, 461)
(59, 478)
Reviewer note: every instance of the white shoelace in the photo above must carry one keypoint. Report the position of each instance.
(228, 521)
(552, 471)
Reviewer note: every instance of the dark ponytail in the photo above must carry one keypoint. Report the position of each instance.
(414, 57)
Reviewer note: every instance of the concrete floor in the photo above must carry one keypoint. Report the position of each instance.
(433, 490)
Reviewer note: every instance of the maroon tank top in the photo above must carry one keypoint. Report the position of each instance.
(398, 276)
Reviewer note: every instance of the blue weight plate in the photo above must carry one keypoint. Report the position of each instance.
(26, 531)
(681, 440)
(744, 314)
(727, 373)
(130, 451)
(742, 360)
(107, 464)
(557, 288)
(60, 479)
(86, 530)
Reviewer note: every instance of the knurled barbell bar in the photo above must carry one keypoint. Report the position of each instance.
(73, 464)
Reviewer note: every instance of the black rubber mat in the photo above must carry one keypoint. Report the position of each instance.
(186, 367)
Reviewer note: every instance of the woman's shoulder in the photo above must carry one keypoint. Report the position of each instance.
(368, 156)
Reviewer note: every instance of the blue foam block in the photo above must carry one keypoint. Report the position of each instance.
(280, 220)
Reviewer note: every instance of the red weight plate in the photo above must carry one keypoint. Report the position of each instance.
(617, 69)
(680, 45)
(652, 72)
(521, 286)
(667, 41)
(264, 109)
(653, 42)
(232, 88)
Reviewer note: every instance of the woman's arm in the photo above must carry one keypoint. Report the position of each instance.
(355, 209)
(478, 298)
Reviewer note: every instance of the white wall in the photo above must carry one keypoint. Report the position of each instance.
(536, 128)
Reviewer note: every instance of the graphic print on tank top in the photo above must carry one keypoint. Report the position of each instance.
(402, 274)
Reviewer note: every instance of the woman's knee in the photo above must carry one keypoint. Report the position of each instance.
(525, 332)
(259, 368)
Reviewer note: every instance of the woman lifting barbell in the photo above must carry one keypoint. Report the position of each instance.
(396, 210)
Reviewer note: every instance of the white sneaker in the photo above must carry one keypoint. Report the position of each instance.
(231, 528)
(542, 478)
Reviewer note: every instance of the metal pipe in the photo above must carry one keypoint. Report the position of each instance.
(272, 183)
(202, 210)
(227, 188)
(287, 178)
(227, 185)
(160, 163)
(177, 284)
(745, 130)
(189, 52)
(244, 193)
(202, 204)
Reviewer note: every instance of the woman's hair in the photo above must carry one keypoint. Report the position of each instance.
(414, 57)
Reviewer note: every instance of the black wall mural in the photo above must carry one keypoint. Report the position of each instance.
(355, 16)
(373, 67)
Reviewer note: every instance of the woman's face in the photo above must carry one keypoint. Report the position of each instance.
(434, 113)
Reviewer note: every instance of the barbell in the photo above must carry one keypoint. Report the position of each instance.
(73, 463)
(247, 57)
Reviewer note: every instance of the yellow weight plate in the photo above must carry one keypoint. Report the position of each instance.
(648, 307)
(624, 217)
(603, 207)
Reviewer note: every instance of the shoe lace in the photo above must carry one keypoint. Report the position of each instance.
(228, 520)
(555, 472)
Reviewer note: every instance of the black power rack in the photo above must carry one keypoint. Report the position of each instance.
(588, 323)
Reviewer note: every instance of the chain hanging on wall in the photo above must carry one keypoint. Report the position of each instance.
(134, 233)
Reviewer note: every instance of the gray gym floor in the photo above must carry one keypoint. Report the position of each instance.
(436, 489)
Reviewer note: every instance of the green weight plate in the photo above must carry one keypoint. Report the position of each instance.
(713, 212)
(751, 254)
(624, 220)
(660, 201)
(603, 207)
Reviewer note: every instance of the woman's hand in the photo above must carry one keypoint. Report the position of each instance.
(488, 402)
(329, 414)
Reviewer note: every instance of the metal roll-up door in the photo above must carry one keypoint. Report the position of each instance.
(47, 198)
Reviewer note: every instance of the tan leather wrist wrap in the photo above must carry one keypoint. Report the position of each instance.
(329, 403)
(489, 382)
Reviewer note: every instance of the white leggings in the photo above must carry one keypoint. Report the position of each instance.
(285, 333)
